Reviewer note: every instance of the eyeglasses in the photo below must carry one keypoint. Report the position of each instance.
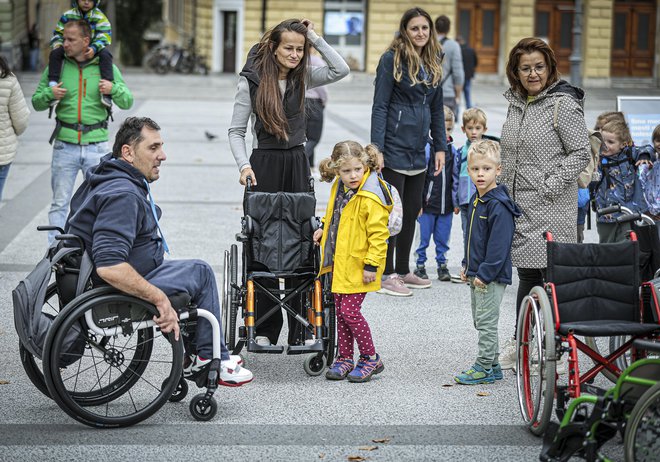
(539, 69)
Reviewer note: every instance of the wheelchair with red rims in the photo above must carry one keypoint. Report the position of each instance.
(279, 267)
(96, 351)
(591, 290)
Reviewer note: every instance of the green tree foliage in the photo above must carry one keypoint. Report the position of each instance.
(133, 18)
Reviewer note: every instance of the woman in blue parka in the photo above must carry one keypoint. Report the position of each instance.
(407, 105)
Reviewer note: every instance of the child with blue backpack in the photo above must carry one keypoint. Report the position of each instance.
(619, 183)
(649, 177)
(437, 208)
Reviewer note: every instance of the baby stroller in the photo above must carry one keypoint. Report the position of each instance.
(592, 290)
(96, 351)
(278, 250)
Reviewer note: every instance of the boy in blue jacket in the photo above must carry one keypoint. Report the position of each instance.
(487, 264)
(437, 207)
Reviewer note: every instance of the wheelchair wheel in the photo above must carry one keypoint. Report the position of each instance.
(116, 380)
(642, 437)
(202, 408)
(32, 365)
(535, 373)
(314, 364)
(180, 391)
(330, 321)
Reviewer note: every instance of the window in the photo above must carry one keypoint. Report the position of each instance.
(343, 28)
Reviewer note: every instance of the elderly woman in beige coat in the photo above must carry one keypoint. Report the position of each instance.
(540, 161)
(14, 115)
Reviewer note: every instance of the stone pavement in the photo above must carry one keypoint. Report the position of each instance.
(283, 414)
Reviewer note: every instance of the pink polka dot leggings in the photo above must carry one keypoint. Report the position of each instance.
(351, 325)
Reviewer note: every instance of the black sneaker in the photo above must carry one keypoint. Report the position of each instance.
(420, 272)
(106, 100)
(443, 273)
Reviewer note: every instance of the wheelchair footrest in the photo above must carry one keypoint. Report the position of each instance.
(254, 347)
(316, 347)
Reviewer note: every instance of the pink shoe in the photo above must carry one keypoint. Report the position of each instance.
(413, 281)
(393, 285)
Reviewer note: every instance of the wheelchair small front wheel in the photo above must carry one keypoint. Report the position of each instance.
(202, 408)
(641, 441)
(314, 364)
(180, 392)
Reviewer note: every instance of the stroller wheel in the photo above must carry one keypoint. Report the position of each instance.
(314, 364)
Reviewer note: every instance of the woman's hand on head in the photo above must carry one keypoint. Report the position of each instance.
(246, 173)
(308, 24)
(439, 162)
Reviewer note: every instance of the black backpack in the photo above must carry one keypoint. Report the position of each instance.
(30, 321)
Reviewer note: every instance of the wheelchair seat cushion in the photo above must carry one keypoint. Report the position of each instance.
(605, 328)
(280, 240)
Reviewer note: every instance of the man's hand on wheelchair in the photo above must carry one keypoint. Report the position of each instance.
(246, 173)
(168, 321)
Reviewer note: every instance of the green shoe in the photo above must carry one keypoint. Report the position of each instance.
(497, 372)
(475, 375)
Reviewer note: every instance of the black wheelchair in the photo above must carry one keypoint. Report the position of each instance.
(592, 290)
(279, 264)
(103, 359)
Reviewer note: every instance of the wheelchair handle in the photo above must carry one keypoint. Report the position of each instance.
(72, 237)
(248, 184)
(50, 228)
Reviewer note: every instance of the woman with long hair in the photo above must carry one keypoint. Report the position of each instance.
(271, 95)
(14, 115)
(407, 105)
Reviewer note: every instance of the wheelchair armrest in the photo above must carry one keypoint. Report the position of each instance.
(647, 345)
(248, 225)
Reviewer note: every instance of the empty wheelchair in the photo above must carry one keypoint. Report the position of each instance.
(631, 408)
(279, 266)
(592, 290)
(96, 351)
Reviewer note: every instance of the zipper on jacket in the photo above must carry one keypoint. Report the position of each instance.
(396, 127)
(469, 240)
(80, 96)
(515, 170)
(444, 190)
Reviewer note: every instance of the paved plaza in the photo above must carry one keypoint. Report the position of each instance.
(414, 405)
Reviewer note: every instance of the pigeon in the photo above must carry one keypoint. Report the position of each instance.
(210, 136)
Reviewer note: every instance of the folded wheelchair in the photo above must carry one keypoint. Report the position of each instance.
(592, 291)
(96, 351)
(279, 266)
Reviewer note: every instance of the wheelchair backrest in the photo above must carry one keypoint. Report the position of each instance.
(280, 238)
(595, 281)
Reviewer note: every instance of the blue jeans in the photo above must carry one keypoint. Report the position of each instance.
(4, 171)
(196, 278)
(67, 160)
(438, 226)
(467, 92)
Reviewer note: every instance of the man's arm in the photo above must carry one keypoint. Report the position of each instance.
(43, 94)
(123, 276)
(121, 95)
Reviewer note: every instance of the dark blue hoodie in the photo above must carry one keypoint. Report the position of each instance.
(112, 214)
(490, 233)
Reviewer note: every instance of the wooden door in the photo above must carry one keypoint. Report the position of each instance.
(553, 22)
(229, 41)
(478, 24)
(633, 39)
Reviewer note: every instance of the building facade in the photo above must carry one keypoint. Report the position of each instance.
(619, 37)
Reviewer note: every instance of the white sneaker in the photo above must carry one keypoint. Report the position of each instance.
(262, 340)
(233, 375)
(234, 360)
(508, 354)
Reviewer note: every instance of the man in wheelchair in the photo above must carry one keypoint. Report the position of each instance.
(114, 214)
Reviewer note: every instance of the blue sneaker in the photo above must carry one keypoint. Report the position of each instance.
(340, 369)
(475, 375)
(497, 372)
(366, 367)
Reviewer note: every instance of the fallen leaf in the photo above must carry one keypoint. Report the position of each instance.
(322, 455)
(357, 458)
(368, 448)
(381, 440)
(483, 393)
(4, 382)
(447, 385)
